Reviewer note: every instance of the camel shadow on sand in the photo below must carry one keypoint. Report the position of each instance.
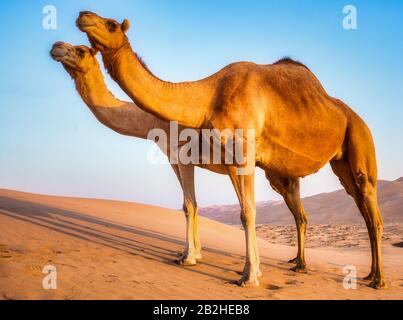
(131, 240)
(104, 232)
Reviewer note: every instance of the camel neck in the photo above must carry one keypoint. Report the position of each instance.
(122, 117)
(187, 103)
(93, 90)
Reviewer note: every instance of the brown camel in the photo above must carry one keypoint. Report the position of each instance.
(298, 129)
(127, 119)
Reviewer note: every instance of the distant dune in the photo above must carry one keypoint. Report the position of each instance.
(328, 208)
(117, 250)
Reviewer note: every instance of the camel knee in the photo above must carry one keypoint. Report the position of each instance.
(302, 218)
(362, 183)
(247, 217)
(367, 196)
(366, 185)
(245, 220)
(189, 207)
(377, 224)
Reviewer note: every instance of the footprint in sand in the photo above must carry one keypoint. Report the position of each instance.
(273, 287)
(398, 245)
(5, 254)
(110, 278)
(34, 268)
(7, 297)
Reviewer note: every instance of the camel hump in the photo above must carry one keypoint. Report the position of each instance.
(288, 60)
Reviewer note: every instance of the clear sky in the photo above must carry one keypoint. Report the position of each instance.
(51, 143)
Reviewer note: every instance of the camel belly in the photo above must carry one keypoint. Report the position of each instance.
(288, 163)
(216, 168)
(301, 146)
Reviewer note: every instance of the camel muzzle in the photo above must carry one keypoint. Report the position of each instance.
(58, 51)
(83, 19)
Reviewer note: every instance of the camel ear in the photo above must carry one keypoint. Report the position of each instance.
(125, 25)
(94, 51)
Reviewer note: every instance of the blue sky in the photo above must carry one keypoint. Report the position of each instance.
(51, 143)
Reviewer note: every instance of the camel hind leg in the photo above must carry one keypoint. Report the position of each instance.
(289, 188)
(358, 174)
(342, 169)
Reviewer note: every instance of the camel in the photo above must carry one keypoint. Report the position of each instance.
(298, 129)
(127, 119)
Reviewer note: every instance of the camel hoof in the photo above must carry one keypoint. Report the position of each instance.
(299, 268)
(246, 282)
(186, 262)
(249, 278)
(197, 256)
(379, 284)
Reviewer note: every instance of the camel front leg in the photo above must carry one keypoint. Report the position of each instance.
(175, 168)
(192, 252)
(244, 187)
(196, 234)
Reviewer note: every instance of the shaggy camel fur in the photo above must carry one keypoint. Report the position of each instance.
(298, 129)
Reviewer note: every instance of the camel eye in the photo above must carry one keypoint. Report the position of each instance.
(112, 26)
(80, 52)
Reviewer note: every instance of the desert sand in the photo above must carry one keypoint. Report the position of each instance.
(117, 250)
(333, 236)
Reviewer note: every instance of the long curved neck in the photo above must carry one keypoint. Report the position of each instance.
(187, 103)
(122, 117)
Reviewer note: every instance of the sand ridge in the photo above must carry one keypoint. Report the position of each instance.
(335, 208)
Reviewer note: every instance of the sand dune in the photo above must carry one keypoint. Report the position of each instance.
(328, 208)
(116, 250)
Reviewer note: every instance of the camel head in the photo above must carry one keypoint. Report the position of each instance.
(104, 34)
(75, 59)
